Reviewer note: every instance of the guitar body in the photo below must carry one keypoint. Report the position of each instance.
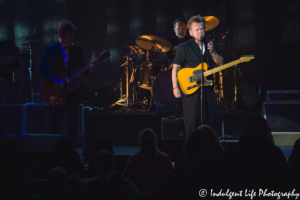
(55, 96)
(190, 78)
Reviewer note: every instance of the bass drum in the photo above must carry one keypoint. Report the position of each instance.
(163, 91)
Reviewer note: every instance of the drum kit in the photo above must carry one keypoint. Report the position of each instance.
(152, 75)
(10, 64)
(143, 73)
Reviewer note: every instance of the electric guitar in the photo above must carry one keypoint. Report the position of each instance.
(54, 95)
(190, 78)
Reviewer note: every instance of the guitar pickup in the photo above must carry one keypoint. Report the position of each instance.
(192, 79)
(193, 86)
(66, 80)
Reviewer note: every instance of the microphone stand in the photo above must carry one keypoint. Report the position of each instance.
(201, 84)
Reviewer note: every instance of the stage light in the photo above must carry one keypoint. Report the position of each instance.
(3, 32)
(50, 31)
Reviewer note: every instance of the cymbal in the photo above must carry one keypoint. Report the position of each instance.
(150, 42)
(211, 22)
(136, 49)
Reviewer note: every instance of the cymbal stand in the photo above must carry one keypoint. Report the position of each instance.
(223, 137)
(31, 67)
(124, 99)
(233, 104)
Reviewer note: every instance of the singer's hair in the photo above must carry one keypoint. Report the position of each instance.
(179, 20)
(197, 19)
(66, 27)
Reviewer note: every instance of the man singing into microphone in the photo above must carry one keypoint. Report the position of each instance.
(189, 55)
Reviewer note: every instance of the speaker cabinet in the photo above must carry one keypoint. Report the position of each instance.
(37, 119)
(283, 119)
(172, 128)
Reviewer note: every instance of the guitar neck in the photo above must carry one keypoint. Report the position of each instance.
(222, 67)
(78, 73)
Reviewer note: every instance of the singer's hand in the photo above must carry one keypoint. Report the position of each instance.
(176, 92)
(210, 47)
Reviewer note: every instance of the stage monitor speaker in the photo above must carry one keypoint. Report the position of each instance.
(37, 119)
(283, 119)
(43, 152)
(173, 148)
(285, 138)
(283, 95)
(172, 128)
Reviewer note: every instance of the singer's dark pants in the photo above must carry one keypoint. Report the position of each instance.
(57, 116)
(192, 109)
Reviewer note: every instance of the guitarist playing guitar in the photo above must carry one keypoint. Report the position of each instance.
(59, 56)
(188, 55)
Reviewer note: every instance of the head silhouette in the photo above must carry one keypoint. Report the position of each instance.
(257, 127)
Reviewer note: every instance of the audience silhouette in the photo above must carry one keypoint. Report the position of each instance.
(256, 163)
(145, 167)
(260, 164)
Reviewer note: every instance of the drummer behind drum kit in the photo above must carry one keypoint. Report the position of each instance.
(148, 71)
(153, 76)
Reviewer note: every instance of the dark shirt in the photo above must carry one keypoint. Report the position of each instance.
(53, 62)
(188, 54)
(143, 177)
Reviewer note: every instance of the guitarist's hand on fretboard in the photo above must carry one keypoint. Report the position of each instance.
(91, 67)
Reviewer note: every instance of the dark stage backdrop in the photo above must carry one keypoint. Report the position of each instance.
(269, 30)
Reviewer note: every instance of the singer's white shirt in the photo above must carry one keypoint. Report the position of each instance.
(202, 47)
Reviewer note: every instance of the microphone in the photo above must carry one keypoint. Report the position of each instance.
(202, 38)
(226, 34)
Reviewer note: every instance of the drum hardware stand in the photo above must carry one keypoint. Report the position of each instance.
(221, 100)
(223, 137)
(124, 99)
(31, 67)
(152, 100)
(232, 107)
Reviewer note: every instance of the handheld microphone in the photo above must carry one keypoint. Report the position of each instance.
(202, 37)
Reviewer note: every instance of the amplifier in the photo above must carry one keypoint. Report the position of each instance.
(283, 95)
(284, 121)
(172, 128)
(37, 119)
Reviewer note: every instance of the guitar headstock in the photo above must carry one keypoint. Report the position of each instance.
(103, 56)
(246, 58)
